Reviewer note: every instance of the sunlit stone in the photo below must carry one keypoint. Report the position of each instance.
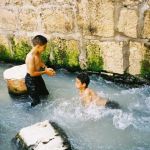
(42, 136)
(15, 79)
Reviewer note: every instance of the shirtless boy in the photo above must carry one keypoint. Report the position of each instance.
(88, 96)
(33, 79)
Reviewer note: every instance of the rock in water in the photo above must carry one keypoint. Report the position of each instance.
(42, 136)
(15, 78)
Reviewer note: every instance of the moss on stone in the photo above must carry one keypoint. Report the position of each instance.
(20, 50)
(5, 54)
(64, 53)
(45, 55)
(145, 66)
(94, 58)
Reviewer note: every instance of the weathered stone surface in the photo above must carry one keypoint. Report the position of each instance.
(42, 136)
(136, 55)
(96, 17)
(4, 40)
(112, 55)
(37, 2)
(146, 30)
(16, 2)
(8, 19)
(28, 20)
(131, 2)
(11, 2)
(58, 20)
(15, 79)
(16, 87)
(127, 23)
(148, 2)
(4, 2)
(40, 2)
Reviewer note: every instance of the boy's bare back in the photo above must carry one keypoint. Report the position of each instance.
(89, 96)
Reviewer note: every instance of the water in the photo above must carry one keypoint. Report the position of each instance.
(93, 128)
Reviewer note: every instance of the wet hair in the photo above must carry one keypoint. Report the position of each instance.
(84, 78)
(39, 40)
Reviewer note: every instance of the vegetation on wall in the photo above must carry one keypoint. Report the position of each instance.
(20, 50)
(5, 54)
(145, 66)
(94, 58)
(64, 54)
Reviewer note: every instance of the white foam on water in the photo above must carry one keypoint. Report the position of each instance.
(74, 112)
(147, 101)
(122, 120)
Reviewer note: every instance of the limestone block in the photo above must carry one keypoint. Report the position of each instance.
(8, 19)
(43, 136)
(4, 2)
(11, 2)
(4, 40)
(146, 30)
(131, 2)
(111, 53)
(95, 17)
(148, 2)
(135, 58)
(15, 79)
(58, 20)
(112, 56)
(28, 20)
(40, 2)
(16, 2)
(127, 23)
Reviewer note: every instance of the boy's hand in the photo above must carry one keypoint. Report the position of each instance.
(50, 72)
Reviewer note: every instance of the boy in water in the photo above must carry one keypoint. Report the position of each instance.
(88, 96)
(33, 79)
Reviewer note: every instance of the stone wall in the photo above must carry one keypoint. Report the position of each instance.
(112, 35)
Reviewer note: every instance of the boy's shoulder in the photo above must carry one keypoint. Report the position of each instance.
(88, 91)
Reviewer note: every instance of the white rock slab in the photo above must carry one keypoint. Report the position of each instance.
(16, 72)
(42, 136)
(15, 78)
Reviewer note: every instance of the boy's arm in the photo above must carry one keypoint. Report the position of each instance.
(48, 71)
(101, 101)
(42, 64)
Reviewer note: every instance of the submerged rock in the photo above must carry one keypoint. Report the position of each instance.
(42, 136)
(15, 79)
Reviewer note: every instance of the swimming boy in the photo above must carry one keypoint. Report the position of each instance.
(33, 79)
(88, 96)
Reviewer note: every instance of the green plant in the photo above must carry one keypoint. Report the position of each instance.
(94, 58)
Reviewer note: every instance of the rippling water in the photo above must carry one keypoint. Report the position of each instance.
(92, 128)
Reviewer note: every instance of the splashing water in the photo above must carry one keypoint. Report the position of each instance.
(91, 128)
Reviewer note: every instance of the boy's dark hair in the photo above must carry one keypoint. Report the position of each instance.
(84, 78)
(39, 40)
